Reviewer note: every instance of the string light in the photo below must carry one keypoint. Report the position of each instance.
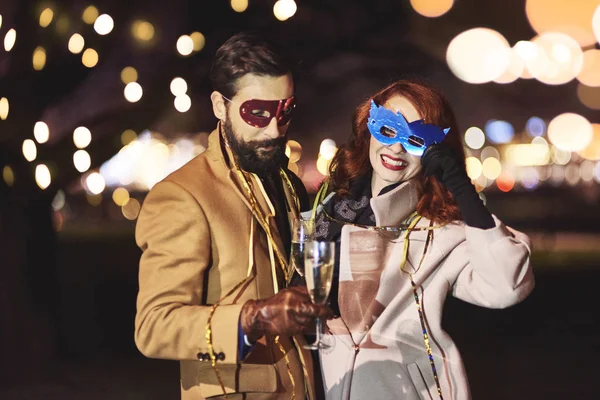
(76, 43)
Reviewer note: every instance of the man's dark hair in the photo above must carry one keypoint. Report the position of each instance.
(246, 53)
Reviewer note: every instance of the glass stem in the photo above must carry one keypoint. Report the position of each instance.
(319, 328)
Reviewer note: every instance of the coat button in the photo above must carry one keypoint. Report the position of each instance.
(220, 356)
(200, 356)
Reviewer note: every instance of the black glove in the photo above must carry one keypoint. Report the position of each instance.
(441, 161)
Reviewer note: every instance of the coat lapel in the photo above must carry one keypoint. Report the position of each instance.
(219, 152)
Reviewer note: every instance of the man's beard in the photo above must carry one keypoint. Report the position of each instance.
(248, 155)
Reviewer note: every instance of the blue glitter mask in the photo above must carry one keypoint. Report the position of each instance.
(389, 127)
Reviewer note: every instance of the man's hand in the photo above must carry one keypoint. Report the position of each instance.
(287, 313)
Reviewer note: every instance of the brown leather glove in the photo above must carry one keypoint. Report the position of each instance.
(287, 313)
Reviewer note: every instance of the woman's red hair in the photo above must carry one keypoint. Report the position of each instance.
(352, 160)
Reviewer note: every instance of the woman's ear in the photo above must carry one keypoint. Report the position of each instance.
(218, 105)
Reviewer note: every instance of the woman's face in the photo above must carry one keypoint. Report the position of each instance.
(391, 163)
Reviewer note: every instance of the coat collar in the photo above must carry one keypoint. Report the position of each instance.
(393, 207)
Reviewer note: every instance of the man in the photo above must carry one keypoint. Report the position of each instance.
(215, 238)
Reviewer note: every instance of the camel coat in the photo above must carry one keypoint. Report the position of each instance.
(489, 268)
(199, 240)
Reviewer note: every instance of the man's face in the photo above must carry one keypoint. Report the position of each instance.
(259, 150)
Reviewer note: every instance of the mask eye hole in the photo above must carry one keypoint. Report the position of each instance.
(388, 132)
(260, 113)
(416, 141)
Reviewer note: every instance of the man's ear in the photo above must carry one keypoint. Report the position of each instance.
(218, 104)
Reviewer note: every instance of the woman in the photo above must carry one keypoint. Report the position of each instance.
(411, 228)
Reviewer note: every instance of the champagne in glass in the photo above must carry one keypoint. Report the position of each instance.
(319, 259)
(302, 232)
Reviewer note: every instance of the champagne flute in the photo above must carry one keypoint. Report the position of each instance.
(319, 259)
(302, 232)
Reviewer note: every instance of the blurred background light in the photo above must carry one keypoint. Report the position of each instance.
(432, 8)
(498, 131)
(29, 150)
(133, 92)
(570, 132)
(46, 17)
(239, 5)
(199, 40)
(104, 24)
(76, 43)
(9, 39)
(182, 103)
(90, 14)
(474, 138)
(590, 72)
(89, 58)
(4, 108)
(128, 75)
(178, 86)
(41, 132)
(82, 137)
(82, 160)
(535, 126)
(39, 58)
(565, 16)
(185, 45)
(42, 176)
(328, 149)
(284, 9)
(478, 55)
(142, 30)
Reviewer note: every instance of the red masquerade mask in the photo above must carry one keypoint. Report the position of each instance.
(259, 113)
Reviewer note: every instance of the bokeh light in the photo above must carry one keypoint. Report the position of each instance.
(596, 23)
(491, 168)
(128, 136)
(239, 5)
(8, 175)
(432, 8)
(185, 45)
(46, 17)
(474, 167)
(41, 132)
(284, 9)
(327, 149)
(89, 58)
(498, 131)
(9, 39)
(39, 58)
(589, 96)
(104, 24)
(142, 30)
(133, 92)
(29, 150)
(529, 178)
(120, 196)
(505, 182)
(82, 160)
(95, 183)
(131, 209)
(590, 72)
(4, 108)
(82, 137)
(90, 14)
(474, 138)
(182, 103)
(566, 16)
(535, 126)
(592, 150)
(293, 150)
(563, 59)
(76, 43)
(178, 86)
(570, 132)
(128, 75)
(199, 40)
(478, 55)
(42, 176)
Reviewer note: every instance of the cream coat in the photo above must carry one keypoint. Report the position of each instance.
(489, 268)
(199, 240)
